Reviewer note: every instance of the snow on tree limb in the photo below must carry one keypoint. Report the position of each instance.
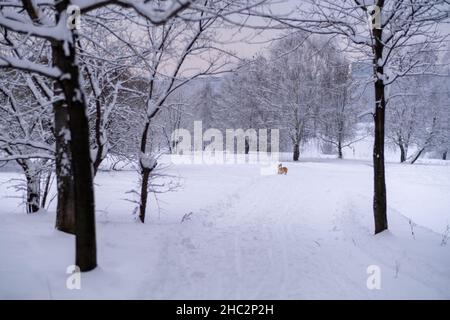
(26, 65)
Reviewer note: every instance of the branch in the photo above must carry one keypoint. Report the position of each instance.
(25, 65)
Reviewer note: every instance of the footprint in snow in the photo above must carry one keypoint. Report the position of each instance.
(198, 275)
(187, 243)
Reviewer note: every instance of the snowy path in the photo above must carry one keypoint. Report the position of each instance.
(304, 235)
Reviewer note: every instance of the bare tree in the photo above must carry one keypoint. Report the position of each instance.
(338, 114)
(244, 99)
(25, 133)
(163, 48)
(298, 71)
(413, 117)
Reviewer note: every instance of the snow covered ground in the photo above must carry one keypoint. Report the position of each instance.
(306, 235)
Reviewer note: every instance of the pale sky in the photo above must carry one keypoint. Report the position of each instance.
(245, 42)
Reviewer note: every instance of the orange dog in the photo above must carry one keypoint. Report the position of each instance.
(281, 169)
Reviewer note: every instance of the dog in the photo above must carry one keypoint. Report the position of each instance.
(282, 170)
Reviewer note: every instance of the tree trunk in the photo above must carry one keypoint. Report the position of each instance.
(444, 155)
(145, 176)
(46, 191)
(146, 170)
(379, 198)
(98, 160)
(402, 153)
(417, 156)
(65, 60)
(33, 192)
(65, 208)
(340, 154)
(296, 151)
(99, 138)
(247, 146)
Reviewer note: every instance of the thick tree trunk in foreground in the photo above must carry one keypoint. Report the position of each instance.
(65, 60)
(444, 156)
(379, 197)
(296, 152)
(65, 209)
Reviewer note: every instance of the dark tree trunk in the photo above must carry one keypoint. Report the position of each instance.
(99, 156)
(33, 192)
(296, 151)
(98, 159)
(247, 146)
(417, 156)
(444, 155)
(65, 208)
(379, 198)
(65, 60)
(402, 153)
(340, 134)
(100, 145)
(46, 191)
(145, 176)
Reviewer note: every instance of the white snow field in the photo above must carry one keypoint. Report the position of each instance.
(306, 235)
